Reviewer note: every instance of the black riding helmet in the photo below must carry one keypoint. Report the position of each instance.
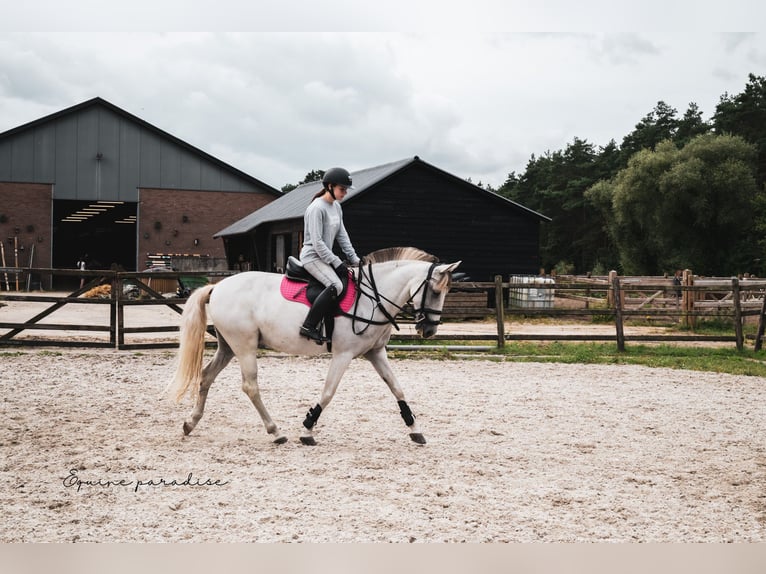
(336, 176)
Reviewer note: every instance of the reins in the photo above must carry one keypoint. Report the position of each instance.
(421, 314)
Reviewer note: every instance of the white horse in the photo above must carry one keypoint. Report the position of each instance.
(248, 310)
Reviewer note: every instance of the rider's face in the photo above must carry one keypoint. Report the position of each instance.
(340, 191)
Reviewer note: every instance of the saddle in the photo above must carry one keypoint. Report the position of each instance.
(300, 286)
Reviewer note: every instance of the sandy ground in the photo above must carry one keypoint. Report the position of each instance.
(516, 452)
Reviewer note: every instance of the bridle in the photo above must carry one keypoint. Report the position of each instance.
(422, 315)
(366, 286)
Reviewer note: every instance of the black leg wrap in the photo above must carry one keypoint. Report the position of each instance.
(312, 416)
(404, 409)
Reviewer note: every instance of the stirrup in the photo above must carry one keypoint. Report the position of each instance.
(314, 335)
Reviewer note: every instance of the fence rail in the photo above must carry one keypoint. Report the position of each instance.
(610, 299)
(116, 297)
(623, 299)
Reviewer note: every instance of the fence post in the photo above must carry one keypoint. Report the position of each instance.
(735, 297)
(120, 311)
(618, 312)
(114, 331)
(499, 311)
(688, 297)
(761, 326)
(2, 261)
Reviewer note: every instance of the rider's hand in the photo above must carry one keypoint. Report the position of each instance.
(341, 270)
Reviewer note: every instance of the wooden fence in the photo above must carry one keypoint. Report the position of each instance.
(118, 291)
(620, 300)
(610, 298)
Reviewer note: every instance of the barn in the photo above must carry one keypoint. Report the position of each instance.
(407, 202)
(96, 182)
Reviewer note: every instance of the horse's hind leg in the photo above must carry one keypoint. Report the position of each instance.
(379, 360)
(222, 357)
(249, 366)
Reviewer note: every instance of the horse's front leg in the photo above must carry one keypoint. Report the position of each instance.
(379, 360)
(338, 366)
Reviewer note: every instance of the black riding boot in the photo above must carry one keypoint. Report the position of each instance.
(320, 307)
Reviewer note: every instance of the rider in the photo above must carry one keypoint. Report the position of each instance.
(322, 226)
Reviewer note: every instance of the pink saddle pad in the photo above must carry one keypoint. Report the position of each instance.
(296, 291)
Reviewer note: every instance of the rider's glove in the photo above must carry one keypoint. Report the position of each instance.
(341, 270)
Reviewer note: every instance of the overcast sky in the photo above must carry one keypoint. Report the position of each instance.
(475, 90)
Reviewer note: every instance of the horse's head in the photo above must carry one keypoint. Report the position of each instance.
(429, 302)
(426, 291)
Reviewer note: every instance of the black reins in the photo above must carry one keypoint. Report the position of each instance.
(421, 314)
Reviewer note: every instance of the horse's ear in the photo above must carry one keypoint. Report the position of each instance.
(447, 267)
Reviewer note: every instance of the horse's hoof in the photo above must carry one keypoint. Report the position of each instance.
(280, 440)
(418, 438)
(187, 428)
(308, 440)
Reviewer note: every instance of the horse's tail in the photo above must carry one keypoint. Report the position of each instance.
(188, 373)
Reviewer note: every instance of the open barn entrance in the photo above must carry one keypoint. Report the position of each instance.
(101, 232)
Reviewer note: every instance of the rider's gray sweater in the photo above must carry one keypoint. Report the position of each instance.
(322, 226)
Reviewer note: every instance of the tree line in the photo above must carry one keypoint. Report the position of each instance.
(678, 192)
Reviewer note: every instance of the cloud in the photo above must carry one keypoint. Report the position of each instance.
(278, 105)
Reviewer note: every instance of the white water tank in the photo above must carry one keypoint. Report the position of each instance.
(531, 292)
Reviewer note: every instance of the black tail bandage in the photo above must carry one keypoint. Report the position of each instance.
(404, 409)
(312, 416)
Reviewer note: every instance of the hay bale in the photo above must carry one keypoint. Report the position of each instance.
(100, 292)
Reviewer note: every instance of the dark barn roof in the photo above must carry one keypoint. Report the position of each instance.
(293, 204)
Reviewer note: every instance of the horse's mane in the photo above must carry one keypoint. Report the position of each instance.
(399, 254)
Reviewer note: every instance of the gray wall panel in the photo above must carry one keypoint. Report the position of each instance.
(229, 182)
(5, 160)
(22, 157)
(211, 176)
(170, 167)
(109, 146)
(130, 148)
(64, 151)
(87, 147)
(45, 154)
(150, 160)
(191, 171)
(66, 156)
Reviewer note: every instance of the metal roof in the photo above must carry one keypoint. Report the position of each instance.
(293, 204)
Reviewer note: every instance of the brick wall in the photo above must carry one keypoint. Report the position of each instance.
(162, 228)
(25, 212)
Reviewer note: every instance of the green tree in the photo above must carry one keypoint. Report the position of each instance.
(313, 175)
(658, 125)
(554, 185)
(745, 115)
(677, 208)
(690, 126)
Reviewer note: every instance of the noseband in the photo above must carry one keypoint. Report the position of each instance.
(422, 314)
